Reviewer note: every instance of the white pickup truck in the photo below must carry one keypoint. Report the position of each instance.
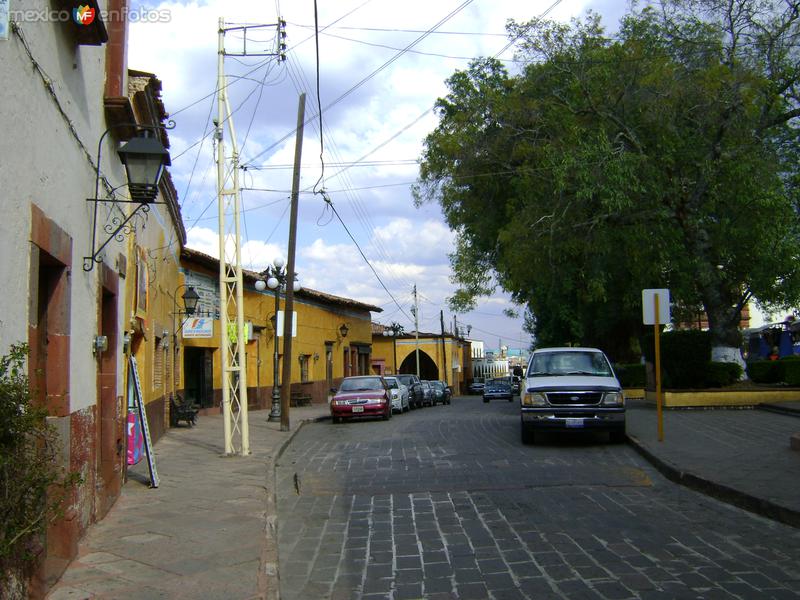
(571, 389)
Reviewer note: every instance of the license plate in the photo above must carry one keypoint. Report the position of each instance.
(358, 409)
(575, 423)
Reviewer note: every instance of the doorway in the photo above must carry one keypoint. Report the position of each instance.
(198, 383)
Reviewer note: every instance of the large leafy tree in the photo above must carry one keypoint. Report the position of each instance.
(664, 156)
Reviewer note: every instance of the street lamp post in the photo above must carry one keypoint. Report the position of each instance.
(190, 298)
(276, 278)
(393, 331)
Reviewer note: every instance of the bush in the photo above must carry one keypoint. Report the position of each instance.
(33, 486)
(631, 375)
(764, 371)
(684, 357)
(720, 374)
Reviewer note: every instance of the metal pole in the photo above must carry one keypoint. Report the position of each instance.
(275, 413)
(416, 326)
(657, 331)
(444, 349)
(290, 273)
(223, 288)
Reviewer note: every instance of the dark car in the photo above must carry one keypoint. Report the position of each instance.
(365, 396)
(441, 392)
(476, 386)
(427, 393)
(498, 389)
(415, 393)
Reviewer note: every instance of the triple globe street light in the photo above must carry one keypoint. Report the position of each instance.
(277, 278)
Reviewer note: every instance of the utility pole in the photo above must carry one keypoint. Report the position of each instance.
(288, 305)
(232, 341)
(416, 325)
(444, 348)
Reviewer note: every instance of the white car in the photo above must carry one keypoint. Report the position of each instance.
(399, 394)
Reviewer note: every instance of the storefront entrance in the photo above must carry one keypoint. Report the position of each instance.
(198, 368)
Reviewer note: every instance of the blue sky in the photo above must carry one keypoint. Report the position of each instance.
(376, 102)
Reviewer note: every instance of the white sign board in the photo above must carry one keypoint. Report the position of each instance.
(4, 19)
(280, 323)
(649, 310)
(198, 327)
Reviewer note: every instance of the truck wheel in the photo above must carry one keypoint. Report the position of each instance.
(527, 436)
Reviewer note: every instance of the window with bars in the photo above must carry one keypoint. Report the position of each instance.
(304, 361)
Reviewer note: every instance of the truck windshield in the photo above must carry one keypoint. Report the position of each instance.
(549, 364)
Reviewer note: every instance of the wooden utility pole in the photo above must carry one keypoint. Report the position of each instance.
(444, 349)
(288, 305)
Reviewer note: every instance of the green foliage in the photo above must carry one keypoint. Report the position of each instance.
(662, 157)
(764, 371)
(685, 355)
(33, 487)
(631, 375)
(720, 374)
(786, 370)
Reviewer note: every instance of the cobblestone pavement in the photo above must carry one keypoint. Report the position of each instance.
(446, 502)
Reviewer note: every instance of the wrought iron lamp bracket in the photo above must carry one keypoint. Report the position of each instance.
(118, 228)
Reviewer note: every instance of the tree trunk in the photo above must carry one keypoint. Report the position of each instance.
(723, 324)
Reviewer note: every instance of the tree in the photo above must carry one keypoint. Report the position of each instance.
(662, 157)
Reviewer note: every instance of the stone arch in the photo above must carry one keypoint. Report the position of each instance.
(427, 366)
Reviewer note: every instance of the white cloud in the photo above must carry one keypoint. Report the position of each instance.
(406, 246)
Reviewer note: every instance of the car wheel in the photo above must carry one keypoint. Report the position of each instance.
(527, 435)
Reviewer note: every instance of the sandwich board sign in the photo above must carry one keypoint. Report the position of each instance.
(138, 404)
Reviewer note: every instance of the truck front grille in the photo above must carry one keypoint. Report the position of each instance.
(574, 398)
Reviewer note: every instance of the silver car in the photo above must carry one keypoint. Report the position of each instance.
(571, 389)
(399, 394)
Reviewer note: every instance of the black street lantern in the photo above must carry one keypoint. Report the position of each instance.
(144, 158)
(190, 298)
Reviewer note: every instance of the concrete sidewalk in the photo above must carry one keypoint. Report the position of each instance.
(740, 456)
(208, 531)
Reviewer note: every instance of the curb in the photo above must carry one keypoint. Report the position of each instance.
(723, 493)
(781, 410)
(268, 573)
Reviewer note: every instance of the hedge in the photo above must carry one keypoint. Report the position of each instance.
(786, 370)
(685, 356)
(631, 375)
(720, 374)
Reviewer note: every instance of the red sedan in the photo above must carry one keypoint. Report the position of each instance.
(365, 396)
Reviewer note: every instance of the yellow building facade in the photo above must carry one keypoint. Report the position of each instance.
(441, 357)
(333, 339)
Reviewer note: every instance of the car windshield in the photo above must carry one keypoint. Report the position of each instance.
(437, 385)
(499, 382)
(578, 362)
(392, 383)
(361, 384)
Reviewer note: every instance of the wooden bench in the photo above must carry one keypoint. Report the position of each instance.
(181, 409)
(300, 399)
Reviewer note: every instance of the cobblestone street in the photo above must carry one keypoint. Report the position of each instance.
(446, 502)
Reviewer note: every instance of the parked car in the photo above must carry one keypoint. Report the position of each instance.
(498, 389)
(427, 393)
(363, 396)
(414, 388)
(476, 386)
(399, 394)
(571, 389)
(441, 392)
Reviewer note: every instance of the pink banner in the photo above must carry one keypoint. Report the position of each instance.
(135, 439)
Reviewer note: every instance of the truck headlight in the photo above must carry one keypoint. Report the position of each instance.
(533, 399)
(613, 399)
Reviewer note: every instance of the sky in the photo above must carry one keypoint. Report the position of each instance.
(377, 107)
